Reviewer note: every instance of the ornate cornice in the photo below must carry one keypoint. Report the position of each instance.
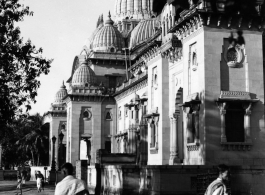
(131, 89)
(57, 113)
(194, 19)
(88, 98)
(172, 50)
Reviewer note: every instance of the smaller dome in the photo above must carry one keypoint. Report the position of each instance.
(143, 31)
(83, 76)
(108, 38)
(60, 95)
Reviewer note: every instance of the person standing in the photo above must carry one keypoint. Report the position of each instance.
(40, 180)
(70, 185)
(218, 186)
(19, 184)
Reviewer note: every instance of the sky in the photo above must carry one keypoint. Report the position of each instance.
(61, 28)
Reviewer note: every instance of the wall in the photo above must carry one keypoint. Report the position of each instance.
(248, 78)
(178, 180)
(194, 82)
(159, 101)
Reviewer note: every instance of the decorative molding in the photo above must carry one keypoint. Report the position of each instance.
(235, 56)
(131, 90)
(193, 147)
(89, 98)
(236, 146)
(237, 95)
(172, 50)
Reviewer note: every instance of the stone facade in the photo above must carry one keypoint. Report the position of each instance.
(188, 91)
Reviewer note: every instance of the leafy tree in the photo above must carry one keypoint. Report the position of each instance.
(21, 63)
(28, 140)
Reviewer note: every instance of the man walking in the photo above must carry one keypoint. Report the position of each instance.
(70, 185)
(218, 186)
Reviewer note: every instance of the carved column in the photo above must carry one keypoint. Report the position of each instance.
(195, 111)
(223, 106)
(174, 158)
(247, 107)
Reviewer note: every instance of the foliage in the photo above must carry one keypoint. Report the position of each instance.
(21, 63)
(27, 140)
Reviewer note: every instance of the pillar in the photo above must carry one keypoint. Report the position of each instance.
(223, 106)
(174, 157)
(247, 107)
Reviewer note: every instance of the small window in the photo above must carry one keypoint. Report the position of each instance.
(155, 79)
(108, 146)
(137, 114)
(234, 123)
(63, 126)
(114, 180)
(153, 135)
(119, 112)
(108, 116)
(194, 59)
(85, 114)
(112, 50)
(132, 115)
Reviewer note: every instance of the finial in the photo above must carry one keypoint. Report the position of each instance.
(63, 86)
(109, 21)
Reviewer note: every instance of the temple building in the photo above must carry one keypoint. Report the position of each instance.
(170, 82)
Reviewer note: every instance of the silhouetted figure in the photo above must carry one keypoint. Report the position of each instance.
(218, 186)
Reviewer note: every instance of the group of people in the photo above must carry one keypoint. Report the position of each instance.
(72, 186)
(21, 179)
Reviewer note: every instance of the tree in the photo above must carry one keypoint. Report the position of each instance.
(36, 142)
(28, 140)
(21, 63)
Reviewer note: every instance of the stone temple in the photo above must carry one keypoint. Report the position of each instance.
(159, 86)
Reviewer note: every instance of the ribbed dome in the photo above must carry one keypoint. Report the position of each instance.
(83, 76)
(60, 95)
(108, 38)
(89, 43)
(144, 30)
(136, 9)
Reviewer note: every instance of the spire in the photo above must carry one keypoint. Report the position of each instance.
(102, 20)
(63, 86)
(98, 22)
(109, 20)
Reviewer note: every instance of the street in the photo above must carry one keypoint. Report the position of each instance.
(9, 187)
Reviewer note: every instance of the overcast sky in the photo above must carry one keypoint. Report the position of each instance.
(61, 28)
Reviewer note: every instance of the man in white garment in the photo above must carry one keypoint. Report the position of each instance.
(70, 185)
(218, 187)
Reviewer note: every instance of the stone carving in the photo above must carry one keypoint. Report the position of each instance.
(235, 95)
(87, 114)
(193, 147)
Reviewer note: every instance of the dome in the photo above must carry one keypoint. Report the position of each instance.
(89, 41)
(136, 9)
(83, 76)
(60, 95)
(143, 31)
(108, 38)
